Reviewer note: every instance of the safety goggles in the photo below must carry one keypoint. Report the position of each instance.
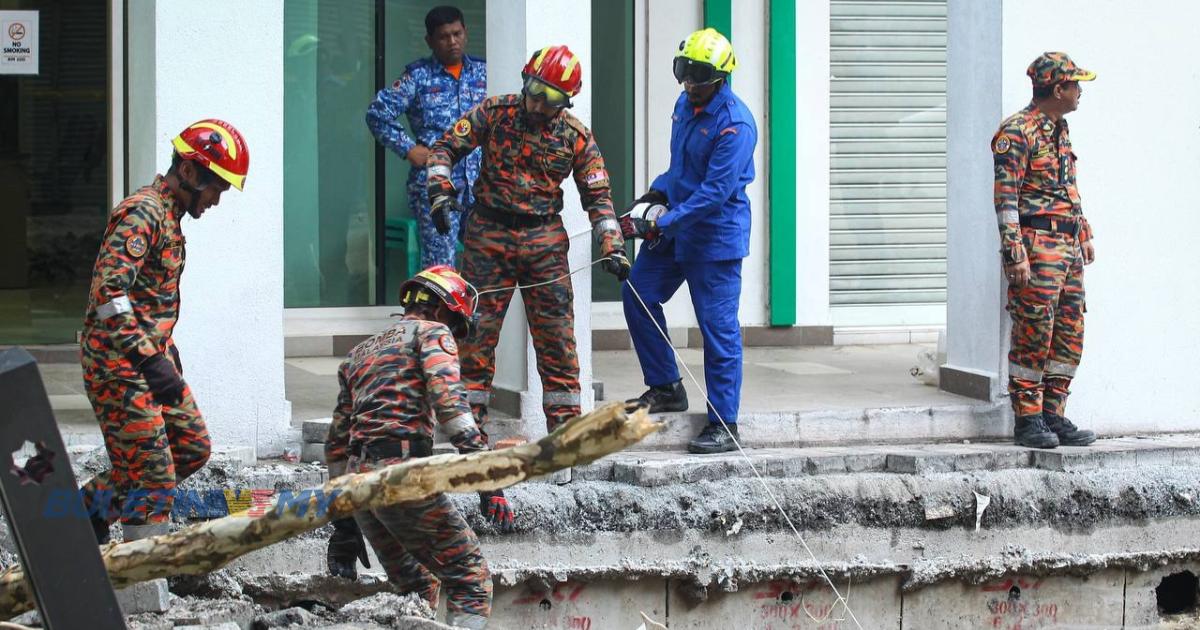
(541, 91)
(694, 72)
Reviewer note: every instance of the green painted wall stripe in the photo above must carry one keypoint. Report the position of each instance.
(781, 138)
(718, 14)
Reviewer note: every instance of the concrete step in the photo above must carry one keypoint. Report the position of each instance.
(661, 468)
(941, 423)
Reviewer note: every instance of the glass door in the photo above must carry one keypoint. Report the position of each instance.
(53, 171)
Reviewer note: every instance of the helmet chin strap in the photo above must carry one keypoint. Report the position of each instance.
(192, 190)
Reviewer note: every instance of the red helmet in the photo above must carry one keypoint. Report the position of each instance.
(217, 146)
(557, 67)
(445, 283)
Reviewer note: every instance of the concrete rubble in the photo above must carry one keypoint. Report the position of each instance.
(699, 537)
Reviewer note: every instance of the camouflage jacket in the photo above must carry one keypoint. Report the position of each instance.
(523, 168)
(396, 384)
(1035, 176)
(432, 99)
(133, 303)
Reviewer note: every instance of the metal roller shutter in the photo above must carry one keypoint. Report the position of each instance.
(888, 162)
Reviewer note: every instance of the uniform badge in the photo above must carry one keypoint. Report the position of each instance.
(1001, 145)
(136, 246)
(462, 128)
(448, 345)
(396, 84)
(596, 176)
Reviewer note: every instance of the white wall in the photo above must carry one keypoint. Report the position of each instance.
(528, 25)
(1136, 135)
(750, 44)
(224, 59)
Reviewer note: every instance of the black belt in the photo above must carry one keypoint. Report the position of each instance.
(512, 220)
(413, 446)
(1051, 224)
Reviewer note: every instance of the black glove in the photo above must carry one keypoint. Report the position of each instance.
(440, 208)
(175, 359)
(618, 265)
(644, 229)
(651, 197)
(345, 546)
(162, 378)
(495, 508)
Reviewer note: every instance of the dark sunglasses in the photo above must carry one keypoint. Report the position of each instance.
(694, 72)
(541, 91)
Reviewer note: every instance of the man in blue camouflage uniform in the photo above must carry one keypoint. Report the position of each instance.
(433, 93)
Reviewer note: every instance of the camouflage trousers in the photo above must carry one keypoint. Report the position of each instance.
(500, 257)
(151, 448)
(425, 544)
(1047, 324)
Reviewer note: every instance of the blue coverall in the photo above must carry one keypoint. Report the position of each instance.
(705, 236)
(433, 100)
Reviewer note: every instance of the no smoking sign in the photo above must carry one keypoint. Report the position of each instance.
(19, 46)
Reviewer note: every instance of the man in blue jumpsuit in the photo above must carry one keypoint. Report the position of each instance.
(433, 93)
(701, 239)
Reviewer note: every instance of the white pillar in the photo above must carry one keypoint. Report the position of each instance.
(222, 59)
(515, 29)
(976, 323)
(812, 164)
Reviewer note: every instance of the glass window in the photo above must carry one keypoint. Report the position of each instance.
(332, 200)
(53, 174)
(329, 174)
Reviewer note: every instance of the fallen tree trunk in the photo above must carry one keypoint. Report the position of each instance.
(209, 546)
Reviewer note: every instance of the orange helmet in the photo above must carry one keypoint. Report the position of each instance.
(556, 67)
(217, 146)
(445, 283)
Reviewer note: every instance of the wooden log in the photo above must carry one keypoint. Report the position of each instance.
(206, 547)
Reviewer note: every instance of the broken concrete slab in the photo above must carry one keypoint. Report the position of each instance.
(315, 431)
(144, 597)
(1145, 589)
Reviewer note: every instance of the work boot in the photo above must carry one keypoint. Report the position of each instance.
(714, 439)
(1068, 434)
(101, 529)
(662, 398)
(149, 530)
(1032, 431)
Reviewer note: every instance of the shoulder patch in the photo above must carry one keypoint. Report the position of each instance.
(732, 130)
(448, 345)
(396, 84)
(462, 128)
(136, 245)
(1001, 145)
(596, 176)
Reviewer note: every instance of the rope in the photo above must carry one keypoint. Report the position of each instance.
(757, 475)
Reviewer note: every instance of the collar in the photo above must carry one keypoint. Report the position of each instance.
(441, 67)
(718, 100)
(170, 204)
(1044, 123)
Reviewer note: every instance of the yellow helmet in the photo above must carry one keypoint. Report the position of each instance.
(704, 57)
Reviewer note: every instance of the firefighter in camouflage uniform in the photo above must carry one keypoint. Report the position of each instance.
(154, 434)
(530, 145)
(393, 387)
(432, 93)
(1044, 241)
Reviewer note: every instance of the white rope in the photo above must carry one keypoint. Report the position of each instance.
(753, 468)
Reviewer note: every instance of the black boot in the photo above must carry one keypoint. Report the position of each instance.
(1032, 431)
(101, 529)
(662, 398)
(714, 439)
(1068, 434)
